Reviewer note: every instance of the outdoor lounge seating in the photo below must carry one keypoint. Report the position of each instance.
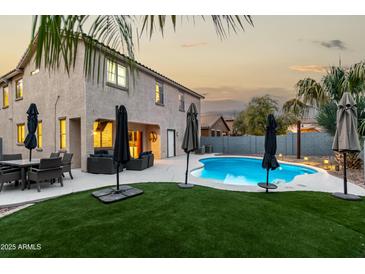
(138, 164)
(151, 159)
(11, 157)
(101, 165)
(66, 164)
(55, 155)
(49, 170)
(9, 175)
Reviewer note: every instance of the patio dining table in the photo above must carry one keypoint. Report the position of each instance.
(23, 165)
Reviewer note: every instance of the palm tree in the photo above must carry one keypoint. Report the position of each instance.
(297, 109)
(325, 95)
(57, 37)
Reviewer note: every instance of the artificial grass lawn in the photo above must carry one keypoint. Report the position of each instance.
(201, 222)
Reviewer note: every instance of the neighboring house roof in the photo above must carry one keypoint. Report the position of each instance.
(230, 123)
(31, 49)
(209, 120)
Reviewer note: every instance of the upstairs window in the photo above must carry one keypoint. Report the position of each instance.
(5, 97)
(19, 89)
(159, 99)
(20, 133)
(181, 102)
(116, 74)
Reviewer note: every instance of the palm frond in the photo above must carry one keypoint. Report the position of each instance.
(223, 24)
(295, 107)
(311, 92)
(57, 37)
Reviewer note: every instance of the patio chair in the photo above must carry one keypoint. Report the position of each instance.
(11, 157)
(9, 175)
(101, 165)
(55, 155)
(66, 164)
(151, 159)
(49, 170)
(138, 164)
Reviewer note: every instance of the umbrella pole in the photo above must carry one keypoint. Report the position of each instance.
(267, 179)
(118, 177)
(187, 168)
(30, 155)
(344, 173)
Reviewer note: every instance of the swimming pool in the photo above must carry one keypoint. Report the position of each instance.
(247, 171)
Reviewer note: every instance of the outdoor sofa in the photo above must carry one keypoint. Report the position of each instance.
(101, 162)
(145, 160)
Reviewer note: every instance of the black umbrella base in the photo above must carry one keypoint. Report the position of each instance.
(111, 195)
(348, 197)
(267, 186)
(185, 185)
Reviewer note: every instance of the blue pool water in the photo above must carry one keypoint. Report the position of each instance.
(247, 171)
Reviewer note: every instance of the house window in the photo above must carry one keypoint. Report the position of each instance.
(159, 93)
(218, 133)
(212, 133)
(19, 89)
(5, 97)
(181, 102)
(40, 135)
(116, 74)
(63, 133)
(103, 134)
(20, 133)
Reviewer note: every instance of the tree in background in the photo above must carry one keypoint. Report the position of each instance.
(253, 119)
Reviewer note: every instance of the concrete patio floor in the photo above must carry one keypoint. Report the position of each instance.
(165, 170)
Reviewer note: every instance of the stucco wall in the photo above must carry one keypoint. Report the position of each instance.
(43, 89)
(140, 103)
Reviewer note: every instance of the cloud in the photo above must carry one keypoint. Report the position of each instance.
(335, 44)
(309, 68)
(194, 45)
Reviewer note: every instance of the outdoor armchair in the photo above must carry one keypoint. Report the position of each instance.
(11, 157)
(151, 159)
(138, 164)
(49, 170)
(101, 165)
(9, 175)
(55, 155)
(66, 164)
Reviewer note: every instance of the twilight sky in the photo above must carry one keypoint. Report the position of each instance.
(268, 58)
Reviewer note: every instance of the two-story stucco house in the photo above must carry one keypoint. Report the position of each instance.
(77, 114)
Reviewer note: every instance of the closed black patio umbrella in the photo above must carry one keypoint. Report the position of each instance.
(121, 144)
(346, 137)
(30, 141)
(269, 162)
(191, 139)
(121, 156)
